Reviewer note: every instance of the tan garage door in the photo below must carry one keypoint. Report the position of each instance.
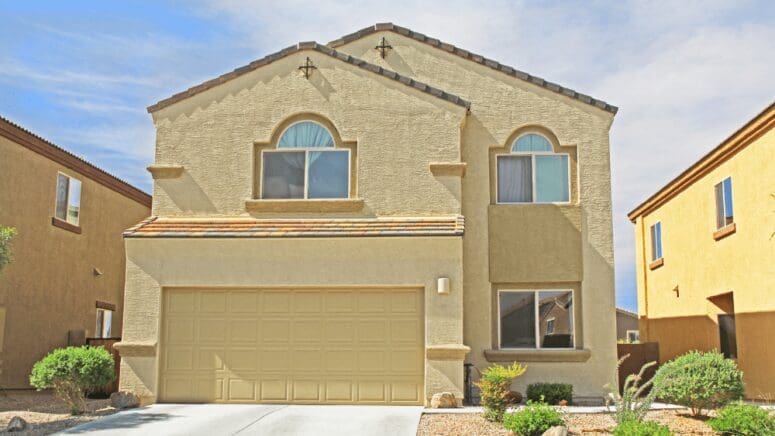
(336, 346)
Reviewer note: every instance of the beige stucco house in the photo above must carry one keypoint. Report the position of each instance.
(352, 222)
(66, 281)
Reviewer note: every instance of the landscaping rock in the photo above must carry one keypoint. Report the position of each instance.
(557, 430)
(563, 403)
(124, 400)
(515, 397)
(17, 424)
(444, 400)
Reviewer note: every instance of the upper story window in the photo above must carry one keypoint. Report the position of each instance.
(724, 213)
(656, 241)
(533, 173)
(305, 165)
(68, 199)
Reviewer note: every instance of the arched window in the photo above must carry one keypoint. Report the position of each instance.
(305, 164)
(533, 173)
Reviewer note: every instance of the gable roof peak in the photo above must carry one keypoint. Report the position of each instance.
(320, 48)
(473, 57)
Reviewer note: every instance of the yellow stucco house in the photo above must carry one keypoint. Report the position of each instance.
(352, 222)
(705, 255)
(66, 281)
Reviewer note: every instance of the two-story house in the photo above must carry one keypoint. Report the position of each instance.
(66, 282)
(352, 222)
(705, 256)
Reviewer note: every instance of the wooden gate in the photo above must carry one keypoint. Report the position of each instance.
(107, 343)
(640, 354)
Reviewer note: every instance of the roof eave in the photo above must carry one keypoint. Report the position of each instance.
(476, 58)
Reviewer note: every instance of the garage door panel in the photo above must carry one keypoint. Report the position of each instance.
(337, 346)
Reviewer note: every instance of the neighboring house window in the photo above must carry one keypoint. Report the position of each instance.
(533, 173)
(535, 319)
(724, 214)
(656, 241)
(305, 165)
(727, 336)
(633, 336)
(104, 323)
(68, 200)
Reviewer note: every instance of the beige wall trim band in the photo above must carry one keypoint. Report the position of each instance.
(136, 349)
(165, 171)
(305, 205)
(537, 355)
(447, 352)
(448, 168)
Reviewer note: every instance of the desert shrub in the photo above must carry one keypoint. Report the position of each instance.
(533, 420)
(550, 393)
(6, 235)
(743, 419)
(699, 380)
(641, 428)
(633, 402)
(71, 371)
(495, 386)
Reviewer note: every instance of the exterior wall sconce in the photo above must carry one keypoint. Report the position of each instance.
(442, 285)
(307, 67)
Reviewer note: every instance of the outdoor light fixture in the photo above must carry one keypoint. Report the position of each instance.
(442, 285)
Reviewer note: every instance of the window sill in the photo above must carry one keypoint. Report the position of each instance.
(315, 206)
(657, 263)
(544, 355)
(724, 231)
(56, 222)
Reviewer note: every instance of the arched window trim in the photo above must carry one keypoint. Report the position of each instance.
(336, 148)
(306, 120)
(532, 154)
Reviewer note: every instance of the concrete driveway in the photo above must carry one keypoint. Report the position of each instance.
(257, 419)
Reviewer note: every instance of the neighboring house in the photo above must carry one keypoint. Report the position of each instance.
(706, 253)
(66, 281)
(309, 244)
(627, 326)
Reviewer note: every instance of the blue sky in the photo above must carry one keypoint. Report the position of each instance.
(685, 74)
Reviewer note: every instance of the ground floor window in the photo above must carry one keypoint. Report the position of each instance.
(104, 323)
(633, 335)
(535, 319)
(727, 336)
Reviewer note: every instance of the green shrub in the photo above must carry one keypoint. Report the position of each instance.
(495, 385)
(743, 419)
(550, 393)
(631, 404)
(641, 428)
(71, 371)
(6, 234)
(699, 380)
(533, 420)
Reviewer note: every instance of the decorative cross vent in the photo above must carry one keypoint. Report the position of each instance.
(383, 47)
(307, 67)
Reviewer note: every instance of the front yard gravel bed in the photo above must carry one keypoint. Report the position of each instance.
(679, 421)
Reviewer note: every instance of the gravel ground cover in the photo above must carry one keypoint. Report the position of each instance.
(44, 412)
(679, 421)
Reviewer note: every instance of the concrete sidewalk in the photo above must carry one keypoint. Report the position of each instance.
(257, 419)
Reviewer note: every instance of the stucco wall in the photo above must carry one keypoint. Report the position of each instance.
(502, 106)
(153, 264)
(674, 297)
(51, 287)
(399, 131)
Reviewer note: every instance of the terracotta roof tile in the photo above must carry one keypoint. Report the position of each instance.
(274, 228)
(473, 57)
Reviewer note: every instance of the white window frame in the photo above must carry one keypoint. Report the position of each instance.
(652, 234)
(99, 330)
(306, 151)
(67, 198)
(723, 203)
(629, 332)
(551, 320)
(536, 326)
(532, 155)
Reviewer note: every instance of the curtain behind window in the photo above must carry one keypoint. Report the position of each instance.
(515, 179)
